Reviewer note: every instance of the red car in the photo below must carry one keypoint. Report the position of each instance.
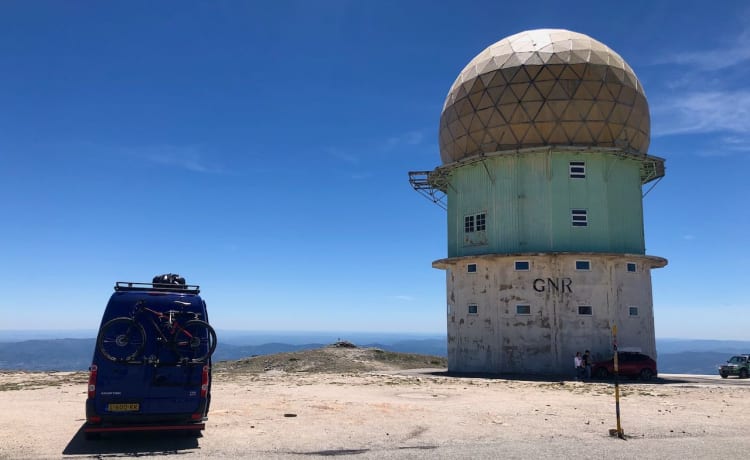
(631, 364)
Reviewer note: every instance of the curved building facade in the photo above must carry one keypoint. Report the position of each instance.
(543, 141)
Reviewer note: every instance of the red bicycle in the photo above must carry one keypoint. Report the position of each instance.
(123, 339)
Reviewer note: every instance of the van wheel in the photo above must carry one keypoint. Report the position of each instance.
(743, 373)
(724, 375)
(646, 374)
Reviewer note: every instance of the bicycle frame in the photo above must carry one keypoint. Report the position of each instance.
(122, 339)
(173, 327)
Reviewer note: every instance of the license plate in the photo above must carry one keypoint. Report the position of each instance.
(120, 407)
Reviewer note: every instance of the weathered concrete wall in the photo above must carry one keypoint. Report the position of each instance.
(499, 339)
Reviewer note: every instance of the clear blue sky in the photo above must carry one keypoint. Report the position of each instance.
(261, 150)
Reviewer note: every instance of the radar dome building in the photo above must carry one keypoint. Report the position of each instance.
(544, 145)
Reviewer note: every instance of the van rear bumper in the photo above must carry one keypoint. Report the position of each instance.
(191, 417)
(127, 428)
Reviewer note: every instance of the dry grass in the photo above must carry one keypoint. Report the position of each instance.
(14, 380)
(335, 358)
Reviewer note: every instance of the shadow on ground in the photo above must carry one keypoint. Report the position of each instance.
(667, 379)
(131, 444)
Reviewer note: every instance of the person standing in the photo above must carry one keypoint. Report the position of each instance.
(586, 363)
(578, 363)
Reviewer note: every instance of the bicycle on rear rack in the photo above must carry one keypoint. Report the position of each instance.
(123, 339)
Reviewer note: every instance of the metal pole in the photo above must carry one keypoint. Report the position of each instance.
(619, 432)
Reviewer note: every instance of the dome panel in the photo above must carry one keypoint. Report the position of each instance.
(555, 59)
(485, 116)
(533, 137)
(544, 87)
(485, 101)
(496, 120)
(476, 98)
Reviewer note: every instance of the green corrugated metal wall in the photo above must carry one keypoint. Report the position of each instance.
(528, 199)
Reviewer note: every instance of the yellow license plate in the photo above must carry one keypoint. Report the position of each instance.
(119, 407)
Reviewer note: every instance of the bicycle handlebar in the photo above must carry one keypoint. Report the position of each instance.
(140, 306)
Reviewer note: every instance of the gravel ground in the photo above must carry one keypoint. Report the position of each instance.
(399, 415)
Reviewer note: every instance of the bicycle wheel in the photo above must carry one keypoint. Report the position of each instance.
(121, 339)
(195, 341)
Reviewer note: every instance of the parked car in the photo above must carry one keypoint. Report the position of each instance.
(151, 368)
(736, 365)
(630, 364)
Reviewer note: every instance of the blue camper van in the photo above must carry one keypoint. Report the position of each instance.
(151, 368)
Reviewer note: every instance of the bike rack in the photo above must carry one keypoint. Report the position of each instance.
(157, 287)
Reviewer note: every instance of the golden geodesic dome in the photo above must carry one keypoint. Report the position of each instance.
(544, 87)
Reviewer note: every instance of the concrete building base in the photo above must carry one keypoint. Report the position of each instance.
(530, 313)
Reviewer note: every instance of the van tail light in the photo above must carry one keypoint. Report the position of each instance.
(204, 393)
(92, 380)
(204, 381)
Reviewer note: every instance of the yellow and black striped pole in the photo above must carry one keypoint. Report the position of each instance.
(618, 432)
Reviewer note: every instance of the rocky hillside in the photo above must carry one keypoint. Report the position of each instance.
(340, 357)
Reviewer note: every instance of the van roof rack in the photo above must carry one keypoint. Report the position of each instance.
(157, 287)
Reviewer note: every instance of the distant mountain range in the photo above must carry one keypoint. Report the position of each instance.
(675, 356)
(76, 353)
(47, 355)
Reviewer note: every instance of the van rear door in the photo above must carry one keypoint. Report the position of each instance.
(158, 386)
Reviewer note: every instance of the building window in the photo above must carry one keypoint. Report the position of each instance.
(481, 222)
(585, 310)
(631, 267)
(522, 265)
(471, 268)
(475, 223)
(583, 265)
(633, 311)
(472, 309)
(579, 217)
(577, 170)
(523, 309)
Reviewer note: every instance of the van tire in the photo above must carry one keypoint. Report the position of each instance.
(121, 339)
(193, 433)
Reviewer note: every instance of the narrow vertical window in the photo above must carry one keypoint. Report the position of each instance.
(469, 224)
(577, 170)
(579, 217)
(481, 218)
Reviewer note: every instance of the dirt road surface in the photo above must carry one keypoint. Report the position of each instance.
(278, 415)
